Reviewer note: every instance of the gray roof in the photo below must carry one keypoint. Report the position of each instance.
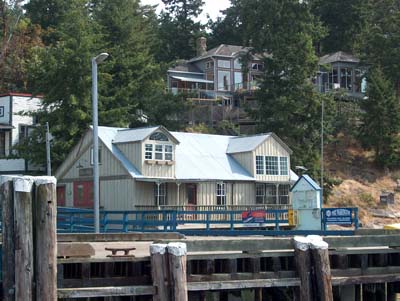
(106, 135)
(339, 56)
(139, 134)
(225, 50)
(247, 144)
(309, 180)
(197, 156)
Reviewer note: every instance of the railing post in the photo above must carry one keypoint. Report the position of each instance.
(125, 222)
(143, 214)
(207, 220)
(232, 216)
(356, 218)
(276, 219)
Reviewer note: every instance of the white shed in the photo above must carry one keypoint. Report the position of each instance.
(306, 200)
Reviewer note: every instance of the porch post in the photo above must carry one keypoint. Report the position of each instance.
(178, 185)
(158, 193)
(277, 194)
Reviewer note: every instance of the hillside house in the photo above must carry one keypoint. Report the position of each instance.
(155, 167)
(342, 71)
(14, 126)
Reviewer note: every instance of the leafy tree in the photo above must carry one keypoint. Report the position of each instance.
(178, 31)
(381, 119)
(289, 105)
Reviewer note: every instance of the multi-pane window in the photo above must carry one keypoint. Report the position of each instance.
(260, 193)
(148, 154)
(168, 152)
(270, 193)
(224, 64)
(160, 194)
(283, 161)
(284, 193)
(221, 194)
(92, 156)
(271, 165)
(224, 80)
(158, 154)
(260, 165)
(257, 66)
(158, 136)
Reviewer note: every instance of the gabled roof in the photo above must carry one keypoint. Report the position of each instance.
(309, 180)
(140, 134)
(247, 144)
(339, 56)
(225, 50)
(203, 157)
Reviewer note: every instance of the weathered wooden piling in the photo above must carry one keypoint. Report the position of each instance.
(45, 229)
(303, 266)
(159, 271)
(24, 262)
(177, 271)
(322, 270)
(8, 249)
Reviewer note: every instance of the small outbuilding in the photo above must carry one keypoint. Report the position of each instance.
(306, 200)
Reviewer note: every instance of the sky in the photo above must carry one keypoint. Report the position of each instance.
(211, 7)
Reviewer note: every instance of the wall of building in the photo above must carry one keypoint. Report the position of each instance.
(5, 108)
(22, 104)
(271, 147)
(246, 160)
(133, 152)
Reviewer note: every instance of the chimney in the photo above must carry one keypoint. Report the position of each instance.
(201, 46)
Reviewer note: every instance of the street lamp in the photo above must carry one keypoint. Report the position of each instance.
(96, 61)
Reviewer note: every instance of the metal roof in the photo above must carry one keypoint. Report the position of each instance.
(139, 134)
(198, 157)
(309, 180)
(201, 156)
(106, 135)
(192, 79)
(249, 143)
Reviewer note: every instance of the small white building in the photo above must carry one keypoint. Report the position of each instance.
(306, 200)
(15, 125)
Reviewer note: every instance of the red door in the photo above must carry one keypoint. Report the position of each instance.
(61, 196)
(83, 194)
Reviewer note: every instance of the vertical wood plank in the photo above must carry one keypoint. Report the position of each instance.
(320, 255)
(159, 267)
(24, 262)
(8, 256)
(45, 230)
(177, 269)
(303, 266)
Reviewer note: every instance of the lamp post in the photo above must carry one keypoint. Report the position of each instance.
(96, 181)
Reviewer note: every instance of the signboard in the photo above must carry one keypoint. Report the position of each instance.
(86, 172)
(254, 217)
(338, 216)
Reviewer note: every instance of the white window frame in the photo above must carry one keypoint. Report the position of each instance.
(148, 151)
(272, 165)
(168, 154)
(226, 64)
(92, 155)
(161, 194)
(159, 152)
(260, 193)
(221, 194)
(283, 193)
(260, 167)
(284, 162)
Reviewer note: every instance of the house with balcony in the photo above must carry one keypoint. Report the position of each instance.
(152, 167)
(15, 125)
(341, 71)
(217, 78)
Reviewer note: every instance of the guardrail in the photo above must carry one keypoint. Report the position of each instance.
(195, 222)
(72, 220)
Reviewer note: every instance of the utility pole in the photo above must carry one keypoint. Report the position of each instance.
(48, 158)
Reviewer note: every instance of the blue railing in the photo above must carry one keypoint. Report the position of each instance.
(193, 222)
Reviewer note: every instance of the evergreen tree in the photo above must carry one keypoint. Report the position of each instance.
(381, 119)
(178, 31)
(128, 36)
(379, 40)
(289, 105)
(343, 20)
(62, 73)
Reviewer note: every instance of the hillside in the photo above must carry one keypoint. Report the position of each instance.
(359, 183)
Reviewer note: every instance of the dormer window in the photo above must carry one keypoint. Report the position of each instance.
(158, 136)
(159, 152)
